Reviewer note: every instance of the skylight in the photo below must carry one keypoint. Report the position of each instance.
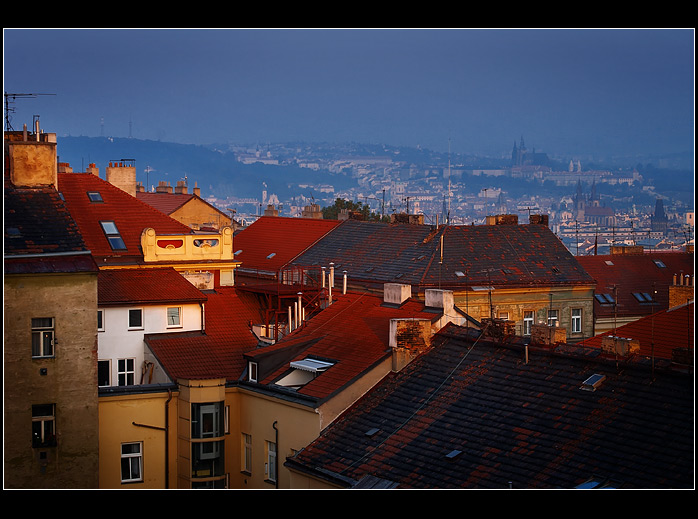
(593, 382)
(312, 365)
(95, 196)
(113, 235)
(271, 255)
(643, 297)
(660, 264)
(605, 299)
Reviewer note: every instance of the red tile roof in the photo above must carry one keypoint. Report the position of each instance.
(166, 203)
(130, 215)
(354, 331)
(635, 273)
(218, 352)
(272, 242)
(146, 286)
(666, 330)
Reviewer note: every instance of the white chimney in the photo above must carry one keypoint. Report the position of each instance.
(396, 293)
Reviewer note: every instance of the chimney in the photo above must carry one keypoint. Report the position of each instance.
(538, 219)
(163, 187)
(197, 190)
(93, 169)
(681, 290)
(619, 345)
(123, 176)
(181, 187)
(64, 167)
(441, 299)
(31, 159)
(502, 219)
(408, 338)
(271, 211)
(396, 294)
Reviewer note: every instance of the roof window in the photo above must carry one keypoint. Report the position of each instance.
(643, 297)
(660, 264)
(593, 382)
(95, 196)
(113, 235)
(271, 255)
(609, 263)
(605, 299)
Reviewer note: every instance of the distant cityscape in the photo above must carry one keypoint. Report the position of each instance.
(588, 207)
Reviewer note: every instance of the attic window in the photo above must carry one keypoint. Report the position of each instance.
(660, 264)
(593, 382)
(312, 365)
(555, 269)
(238, 252)
(94, 196)
(453, 454)
(605, 299)
(609, 263)
(271, 255)
(643, 297)
(13, 232)
(459, 274)
(113, 235)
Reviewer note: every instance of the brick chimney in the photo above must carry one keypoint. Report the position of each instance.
(408, 338)
(681, 290)
(181, 187)
(123, 176)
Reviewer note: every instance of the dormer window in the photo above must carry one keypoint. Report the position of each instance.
(113, 235)
(303, 371)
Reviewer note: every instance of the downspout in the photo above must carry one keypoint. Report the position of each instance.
(203, 317)
(166, 429)
(276, 466)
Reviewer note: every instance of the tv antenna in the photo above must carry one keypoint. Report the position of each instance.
(10, 98)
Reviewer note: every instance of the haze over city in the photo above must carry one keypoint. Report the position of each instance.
(617, 92)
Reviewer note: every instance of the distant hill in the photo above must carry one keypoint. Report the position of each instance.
(216, 173)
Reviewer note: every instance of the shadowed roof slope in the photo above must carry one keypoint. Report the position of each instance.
(511, 255)
(466, 415)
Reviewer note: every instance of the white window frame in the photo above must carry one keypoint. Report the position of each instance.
(528, 321)
(178, 310)
(142, 325)
(125, 372)
(101, 314)
(270, 466)
(111, 231)
(553, 317)
(252, 371)
(44, 336)
(131, 458)
(576, 320)
(504, 315)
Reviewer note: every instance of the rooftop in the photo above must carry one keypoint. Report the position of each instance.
(477, 414)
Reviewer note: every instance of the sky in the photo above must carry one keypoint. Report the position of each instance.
(564, 91)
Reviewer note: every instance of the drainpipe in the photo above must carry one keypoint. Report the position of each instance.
(276, 466)
(166, 429)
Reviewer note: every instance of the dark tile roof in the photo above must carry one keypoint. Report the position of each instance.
(635, 273)
(218, 351)
(271, 242)
(130, 215)
(511, 255)
(476, 415)
(353, 333)
(37, 223)
(146, 286)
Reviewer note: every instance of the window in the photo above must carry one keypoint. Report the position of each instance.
(44, 425)
(100, 320)
(271, 461)
(174, 317)
(131, 462)
(605, 299)
(528, 322)
(576, 320)
(660, 264)
(206, 420)
(643, 297)
(126, 371)
(246, 453)
(252, 368)
(104, 373)
(43, 337)
(113, 235)
(552, 317)
(135, 318)
(94, 196)
(504, 315)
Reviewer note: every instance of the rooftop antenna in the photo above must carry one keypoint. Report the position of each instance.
(448, 214)
(10, 98)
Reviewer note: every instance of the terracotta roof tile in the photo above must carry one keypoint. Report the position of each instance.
(635, 273)
(145, 286)
(130, 215)
(166, 203)
(354, 332)
(218, 351)
(272, 242)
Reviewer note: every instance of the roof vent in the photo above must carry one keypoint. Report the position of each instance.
(372, 431)
(593, 382)
(453, 454)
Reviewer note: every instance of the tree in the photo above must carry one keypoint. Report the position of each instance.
(332, 212)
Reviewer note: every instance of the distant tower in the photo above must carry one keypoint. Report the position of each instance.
(660, 221)
(579, 203)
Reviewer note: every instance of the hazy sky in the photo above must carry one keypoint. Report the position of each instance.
(564, 91)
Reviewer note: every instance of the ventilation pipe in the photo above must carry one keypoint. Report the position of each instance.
(323, 277)
(344, 285)
(299, 320)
